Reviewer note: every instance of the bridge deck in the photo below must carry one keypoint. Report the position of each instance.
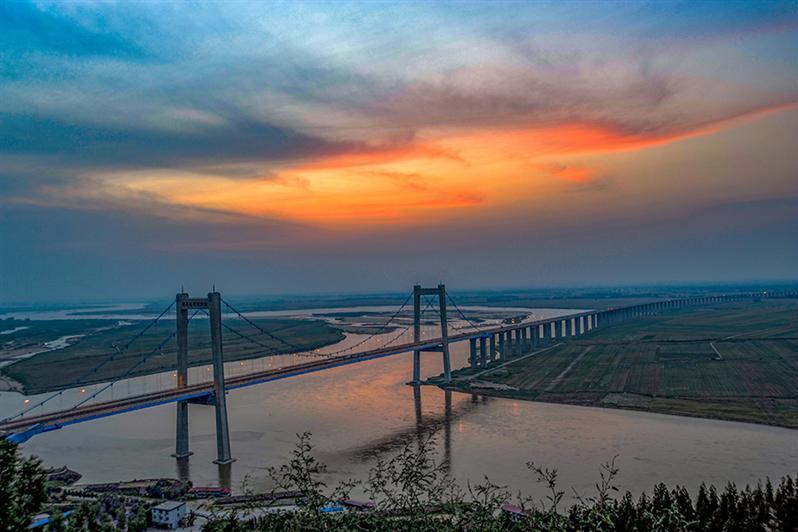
(23, 428)
(53, 420)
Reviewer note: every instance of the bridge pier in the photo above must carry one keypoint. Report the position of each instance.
(483, 352)
(472, 352)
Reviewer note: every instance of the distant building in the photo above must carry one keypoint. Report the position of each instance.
(203, 492)
(158, 488)
(169, 514)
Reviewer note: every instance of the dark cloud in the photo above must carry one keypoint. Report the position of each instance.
(237, 139)
(62, 253)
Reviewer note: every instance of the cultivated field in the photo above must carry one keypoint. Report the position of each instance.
(731, 361)
(60, 368)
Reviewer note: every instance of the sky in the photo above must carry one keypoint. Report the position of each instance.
(304, 147)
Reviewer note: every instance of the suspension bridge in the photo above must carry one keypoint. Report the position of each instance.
(488, 344)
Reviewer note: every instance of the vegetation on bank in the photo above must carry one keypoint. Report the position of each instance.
(25, 492)
(412, 491)
(728, 361)
(61, 368)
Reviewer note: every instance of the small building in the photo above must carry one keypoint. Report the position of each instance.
(168, 514)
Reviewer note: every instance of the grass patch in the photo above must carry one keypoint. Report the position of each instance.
(734, 361)
(61, 368)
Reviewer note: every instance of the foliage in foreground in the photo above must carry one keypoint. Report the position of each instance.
(412, 491)
(22, 490)
(23, 493)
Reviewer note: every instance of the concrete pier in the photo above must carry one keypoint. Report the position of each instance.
(472, 353)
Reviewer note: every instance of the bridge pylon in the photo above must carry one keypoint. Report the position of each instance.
(213, 304)
(181, 437)
(443, 346)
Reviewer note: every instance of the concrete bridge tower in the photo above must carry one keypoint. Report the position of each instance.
(443, 347)
(213, 304)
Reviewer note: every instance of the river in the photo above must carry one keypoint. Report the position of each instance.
(363, 412)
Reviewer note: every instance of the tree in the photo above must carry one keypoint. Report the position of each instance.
(22, 488)
(138, 522)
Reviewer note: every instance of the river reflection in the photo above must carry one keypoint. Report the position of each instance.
(365, 412)
(361, 413)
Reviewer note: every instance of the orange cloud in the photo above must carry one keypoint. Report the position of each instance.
(569, 173)
(435, 177)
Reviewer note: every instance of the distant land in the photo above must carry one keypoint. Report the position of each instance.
(61, 368)
(733, 361)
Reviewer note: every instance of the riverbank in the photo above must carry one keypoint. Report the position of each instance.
(730, 362)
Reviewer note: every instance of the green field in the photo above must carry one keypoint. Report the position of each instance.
(730, 361)
(61, 368)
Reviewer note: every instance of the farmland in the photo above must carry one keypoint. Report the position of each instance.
(730, 361)
(61, 368)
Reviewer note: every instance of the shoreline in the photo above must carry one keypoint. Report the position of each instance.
(501, 394)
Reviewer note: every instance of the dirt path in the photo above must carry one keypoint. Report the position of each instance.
(715, 349)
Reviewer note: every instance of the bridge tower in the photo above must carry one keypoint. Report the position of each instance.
(213, 304)
(181, 439)
(443, 347)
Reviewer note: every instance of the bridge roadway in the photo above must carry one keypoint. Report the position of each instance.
(58, 419)
(23, 428)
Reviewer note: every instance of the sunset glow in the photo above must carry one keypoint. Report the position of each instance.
(404, 120)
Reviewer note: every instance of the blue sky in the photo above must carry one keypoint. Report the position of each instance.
(333, 146)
